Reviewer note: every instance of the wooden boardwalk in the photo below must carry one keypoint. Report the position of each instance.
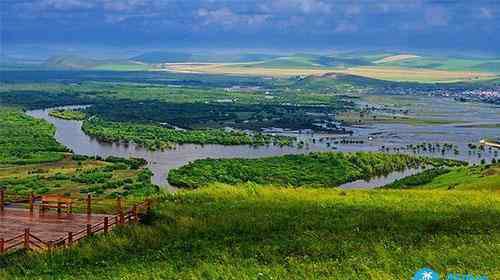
(45, 230)
(47, 225)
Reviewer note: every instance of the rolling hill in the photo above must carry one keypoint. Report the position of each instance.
(75, 62)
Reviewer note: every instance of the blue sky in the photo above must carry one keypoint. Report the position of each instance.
(471, 26)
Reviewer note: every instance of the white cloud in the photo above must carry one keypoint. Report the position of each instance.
(436, 16)
(345, 27)
(125, 5)
(227, 18)
(486, 13)
(65, 4)
(302, 6)
(352, 10)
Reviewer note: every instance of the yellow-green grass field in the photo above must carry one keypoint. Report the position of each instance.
(382, 73)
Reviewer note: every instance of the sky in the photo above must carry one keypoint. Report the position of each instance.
(119, 26)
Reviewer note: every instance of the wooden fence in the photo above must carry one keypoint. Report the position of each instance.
(29, 241)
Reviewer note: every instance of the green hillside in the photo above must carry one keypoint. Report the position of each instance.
(483, 177)
(449, 63)
(311, 61)
(75, 62)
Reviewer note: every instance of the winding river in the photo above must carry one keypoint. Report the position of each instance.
(70, 134)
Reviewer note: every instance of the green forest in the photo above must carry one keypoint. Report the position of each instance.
(155, 137)
(25, 140)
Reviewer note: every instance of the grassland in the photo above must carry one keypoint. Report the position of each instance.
(390, 67)
(315, 169)
(249, 231)
(25, 140)
(468, 178)
(482, 177)
(448, 63)
(36, 95)
(253, 232)
(399, 74)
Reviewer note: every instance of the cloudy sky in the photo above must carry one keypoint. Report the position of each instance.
(467, 25)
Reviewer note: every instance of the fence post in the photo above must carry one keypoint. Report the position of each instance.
(89, 229)
(134, 214)
(106, 225)
(26, 238)
(70, 237)
(148, 206)
(2, 198)
(89, 204)
(120, 209)
(32, 197)
(2, 246)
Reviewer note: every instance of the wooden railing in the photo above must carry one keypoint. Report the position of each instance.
(29, 241)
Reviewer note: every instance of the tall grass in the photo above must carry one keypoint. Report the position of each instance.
(252, 232)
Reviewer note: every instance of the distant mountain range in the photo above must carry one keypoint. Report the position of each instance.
(184, 57)
(150, 60)
(74, 62)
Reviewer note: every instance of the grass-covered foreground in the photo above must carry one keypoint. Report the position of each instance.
(252, 232)
(315, 169)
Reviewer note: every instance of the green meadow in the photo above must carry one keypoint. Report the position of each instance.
(261, 232)
(482, 177)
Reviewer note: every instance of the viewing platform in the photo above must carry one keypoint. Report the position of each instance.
(47, 225)
(31, 224)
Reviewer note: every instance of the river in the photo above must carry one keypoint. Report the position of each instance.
(70, 134)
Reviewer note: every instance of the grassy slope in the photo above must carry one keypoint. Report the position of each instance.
(249, 232)
(452, 64)
(484, 177)
(468, 178)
